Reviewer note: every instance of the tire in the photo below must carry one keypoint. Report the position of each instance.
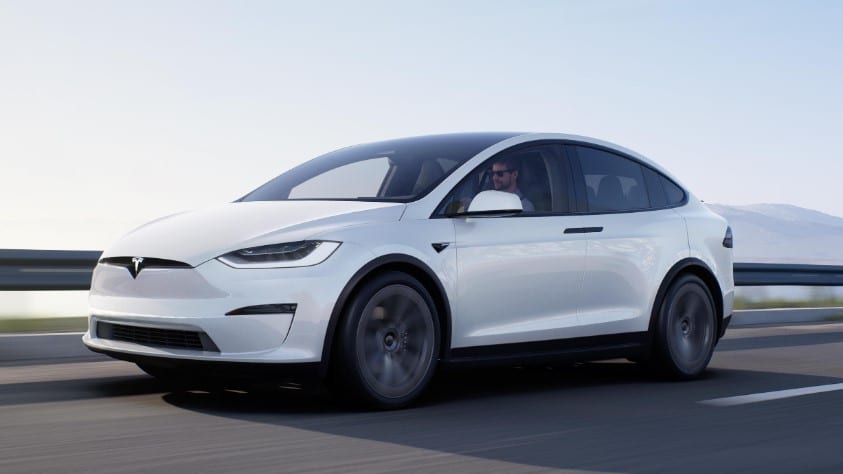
(686, 330)
(388, 342)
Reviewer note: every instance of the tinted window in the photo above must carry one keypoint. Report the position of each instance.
(663, 192)
(538, 174)
(674, 193)
(396, 170)
(613, 183)
(654, 188)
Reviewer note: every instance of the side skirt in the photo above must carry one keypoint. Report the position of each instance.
(578, 349)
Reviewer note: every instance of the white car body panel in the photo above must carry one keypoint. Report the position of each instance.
(626, 263)
(705, 238)
(198, 236)
(518, 279)
(198, 298)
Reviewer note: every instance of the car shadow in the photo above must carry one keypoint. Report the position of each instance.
(78, 389)
(607, 416)
(558, 417)
(451, 385)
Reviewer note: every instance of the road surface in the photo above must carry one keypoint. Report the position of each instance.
(91, 414)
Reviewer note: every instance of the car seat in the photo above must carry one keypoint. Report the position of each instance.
(533, 181)
(429, 172)
(610, 195)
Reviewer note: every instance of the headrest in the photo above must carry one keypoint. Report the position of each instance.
(610, 193)
(429, 172)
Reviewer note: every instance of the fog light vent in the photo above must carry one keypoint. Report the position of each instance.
(278, 308)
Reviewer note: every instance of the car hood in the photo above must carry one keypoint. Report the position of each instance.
(198, 236)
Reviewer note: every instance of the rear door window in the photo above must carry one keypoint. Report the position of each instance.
(612, 183)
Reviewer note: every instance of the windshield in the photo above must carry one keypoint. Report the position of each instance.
(399, 170)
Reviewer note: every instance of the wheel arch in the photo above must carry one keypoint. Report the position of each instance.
(391, 262)
(698, 268)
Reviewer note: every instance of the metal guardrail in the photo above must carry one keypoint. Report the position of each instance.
(32, 270)
(776, 274)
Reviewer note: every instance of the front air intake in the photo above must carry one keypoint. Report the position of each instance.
(157, 337)
(278, 308)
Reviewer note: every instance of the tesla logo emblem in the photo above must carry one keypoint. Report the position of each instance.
(136, 263)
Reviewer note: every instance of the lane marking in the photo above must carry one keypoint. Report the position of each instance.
(813, 308)
(767, 396)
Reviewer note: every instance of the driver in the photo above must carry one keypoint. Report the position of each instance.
(505, 178)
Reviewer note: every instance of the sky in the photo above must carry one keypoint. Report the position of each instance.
(114, 113)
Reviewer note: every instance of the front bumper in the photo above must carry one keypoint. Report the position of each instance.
(224, 370)
(724, 325)
(161, 302)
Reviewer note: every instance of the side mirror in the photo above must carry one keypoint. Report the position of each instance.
(487, 203)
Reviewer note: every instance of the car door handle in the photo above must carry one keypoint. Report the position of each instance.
(583, 230)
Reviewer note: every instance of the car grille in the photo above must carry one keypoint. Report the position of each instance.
(147, 262)
(170, 338)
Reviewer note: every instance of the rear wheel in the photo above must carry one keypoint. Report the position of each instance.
(686, 329)
(388, 342)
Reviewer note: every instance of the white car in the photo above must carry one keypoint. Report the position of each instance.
(371, 265)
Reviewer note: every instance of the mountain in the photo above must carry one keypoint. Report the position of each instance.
(783, 233)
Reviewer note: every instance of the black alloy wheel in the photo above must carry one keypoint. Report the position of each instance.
(388, 342)
(686, 331)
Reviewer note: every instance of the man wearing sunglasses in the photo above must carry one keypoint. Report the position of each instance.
(505, 178)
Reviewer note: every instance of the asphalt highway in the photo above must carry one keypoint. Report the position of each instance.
(97, 415)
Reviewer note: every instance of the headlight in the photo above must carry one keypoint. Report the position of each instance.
(293, 254)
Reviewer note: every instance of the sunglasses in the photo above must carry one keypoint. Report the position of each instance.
(499, 173)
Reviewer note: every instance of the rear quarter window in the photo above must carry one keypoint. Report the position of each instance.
(675, 194)
(662, 191)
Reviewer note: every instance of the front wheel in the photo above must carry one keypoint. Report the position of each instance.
(388, 342)
(686, 329)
